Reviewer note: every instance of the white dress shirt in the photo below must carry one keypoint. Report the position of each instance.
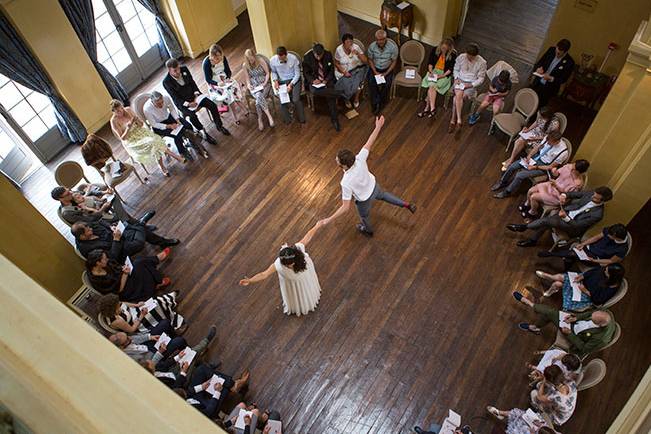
(587, 206)
(290, 70)
(347, 61)
(357, 181)
(470, 72)
(155, 115)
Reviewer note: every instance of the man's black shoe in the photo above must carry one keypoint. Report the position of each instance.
(501, 194)
(516, 227)
(170, 242)
(527, 243)
(209, 139)
(360, 227)
(223, 130)
(335, 123)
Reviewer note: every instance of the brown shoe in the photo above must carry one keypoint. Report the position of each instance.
(457, 131)
(451, 128)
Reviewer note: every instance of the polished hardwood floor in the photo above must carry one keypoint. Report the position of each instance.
(412, 322)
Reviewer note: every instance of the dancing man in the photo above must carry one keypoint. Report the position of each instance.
(359, 184)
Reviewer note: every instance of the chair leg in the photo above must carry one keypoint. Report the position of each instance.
(508, 145)
(138, 175)
(115, 190)
(143, 168)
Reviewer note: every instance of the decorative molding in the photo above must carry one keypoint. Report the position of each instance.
(376, 20)
(639, 52)
(241, 8)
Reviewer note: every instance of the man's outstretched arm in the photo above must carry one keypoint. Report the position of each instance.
(345, 205)
(379, 121)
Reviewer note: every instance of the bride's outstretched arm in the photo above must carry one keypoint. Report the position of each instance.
(308, 236)
(258, 277)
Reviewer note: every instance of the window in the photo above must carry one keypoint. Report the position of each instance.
(110, 49)
(32, 111)
(140, 25)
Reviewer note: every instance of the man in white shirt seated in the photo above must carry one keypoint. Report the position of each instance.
(286, 69)
(164, 118)
(469, 73)
(358, 183)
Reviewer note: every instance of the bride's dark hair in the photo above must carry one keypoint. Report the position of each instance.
(292, 255)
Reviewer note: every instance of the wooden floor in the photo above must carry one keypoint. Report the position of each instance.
(417, 320)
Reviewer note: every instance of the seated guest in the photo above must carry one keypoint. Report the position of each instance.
(569, 363)
(565, 179)
(555, 395)
(257, 79)
(286, 69)
(595, 327)
(250, 422)
(555, 67)
(134, 318)
(140, 143)
(100, 235)
(469, 72)
(221, 88)
(550, 153)
(382, 55)
(579, 212)
(498, 90)
(199, 395)
(142, 346)
(597, 286)
(350, 63)
(76, 209)
(516, 423)
(532, 135)
(438, 80)
(610, 246)
(135, 284)
(185, 93)
(264, 419)
(319, 71)
(164, 119)
(173, 375)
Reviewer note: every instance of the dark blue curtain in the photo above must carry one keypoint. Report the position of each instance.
(165, 33)
(80, 14)
(19, 64)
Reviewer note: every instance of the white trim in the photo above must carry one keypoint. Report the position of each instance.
(375, 20)
(241, 8)
(639, 52)
(81, 293)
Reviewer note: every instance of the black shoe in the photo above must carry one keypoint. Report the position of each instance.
(516, 227)
(212, 332)
(501, 194)
(168, 242)
(527, 243)
(360, 227)
(209, 139)
(377, 109)
(223, 130)
(188, 156)
(418, 430)
(335, 123)
(147, 216)
(544, 254)
(151, 228)
(411, 207)
(496, 186)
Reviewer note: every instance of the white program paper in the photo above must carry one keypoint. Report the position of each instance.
(198, 100)
(402, 5)
(454, 417)
(410, 73)
(128, 263)
(239, 424)
(547, 358)
(115, 168)
(526, 163)
(318, 86)
(528, 135)
(150, 304)
(531, 417)
(562, 320)
(576, 292)
(580, 326)
(432, 77)
(121, 227)
(275, 426)
(215, 379)
(379, 79)
(581, 254)
(283, 94)
(460, 86)
(188, 356)
(162, 339)
(261, 88)
(177, 130)
(537, 74)
(448, 427)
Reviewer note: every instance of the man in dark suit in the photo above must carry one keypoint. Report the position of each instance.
(554, 68)
(579, 212)
(319, 72)
(180, 85)
(101, 235)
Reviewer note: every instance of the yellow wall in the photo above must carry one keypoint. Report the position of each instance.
(47, 31)
(618, 144)
(200, 23)
(611, 21)
(294, 24)
(34, 245)
(432, 18)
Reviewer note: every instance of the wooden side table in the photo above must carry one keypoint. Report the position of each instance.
(586, 86)
(392, 16)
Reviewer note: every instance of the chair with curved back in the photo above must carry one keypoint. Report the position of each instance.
(78, 253)
(593, 372)
(101, 320)
(562, 121)
(621, 292)
(412, 54)
(247, 94)
(526, 105)
(69, 174)
(491, 73)
(60, 215)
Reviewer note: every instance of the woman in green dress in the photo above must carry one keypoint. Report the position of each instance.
(139, 141)
(438, 79)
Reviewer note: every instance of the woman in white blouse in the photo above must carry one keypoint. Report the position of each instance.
(350, 71)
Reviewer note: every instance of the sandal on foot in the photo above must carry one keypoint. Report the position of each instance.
(423, 113)
(494, 412)
(527, 328)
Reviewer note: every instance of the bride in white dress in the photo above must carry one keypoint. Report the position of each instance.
(299, 284)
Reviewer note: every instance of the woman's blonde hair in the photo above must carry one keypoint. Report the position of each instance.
(115, 103)
(450, 43)
(215, 49)
(248, 54)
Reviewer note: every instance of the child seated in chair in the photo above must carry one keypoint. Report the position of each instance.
(497, 91)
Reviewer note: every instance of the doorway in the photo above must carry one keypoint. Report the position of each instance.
(127, 41)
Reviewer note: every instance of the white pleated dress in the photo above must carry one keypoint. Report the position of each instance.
(300, 291)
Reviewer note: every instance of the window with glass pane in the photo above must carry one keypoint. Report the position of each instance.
(140, 25)
(31, 110)
(110, 48)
